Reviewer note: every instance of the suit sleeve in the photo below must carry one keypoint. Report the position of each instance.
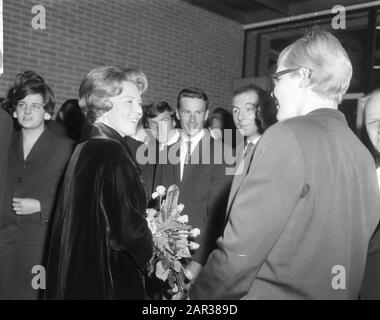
(371, 283)
(125, 203)
(262, 207)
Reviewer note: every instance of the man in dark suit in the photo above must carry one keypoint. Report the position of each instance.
(372, 123)
(301, 214)
(371, 282)
(195, 163)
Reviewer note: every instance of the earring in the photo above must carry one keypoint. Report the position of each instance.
(14, 115)
(47, 116)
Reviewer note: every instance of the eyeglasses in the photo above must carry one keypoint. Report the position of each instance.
(276, 76)
(34, 106)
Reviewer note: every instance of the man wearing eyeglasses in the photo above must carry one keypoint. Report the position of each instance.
(299, 222)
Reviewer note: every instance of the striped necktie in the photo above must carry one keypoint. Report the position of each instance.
(248, 148)
(188, 155)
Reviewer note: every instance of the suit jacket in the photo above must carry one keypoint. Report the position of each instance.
(37, 177)
(203, 190)
(100, 242)
(300, 219)
(5, 139)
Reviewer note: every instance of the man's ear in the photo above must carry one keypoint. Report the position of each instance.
(305, 74)
(177, 115)
(206, 115)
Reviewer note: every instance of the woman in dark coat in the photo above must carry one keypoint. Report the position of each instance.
(36, 163)
(101, 243)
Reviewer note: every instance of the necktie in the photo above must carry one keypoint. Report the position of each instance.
(248, 148)
(188, 156)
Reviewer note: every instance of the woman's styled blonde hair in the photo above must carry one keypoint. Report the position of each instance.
(322, 53)
(105, 82)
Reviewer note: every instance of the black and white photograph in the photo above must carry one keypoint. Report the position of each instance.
(178, 152)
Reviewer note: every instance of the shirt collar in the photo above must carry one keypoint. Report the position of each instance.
(174, 138)
(105, 121)
(195, 139)
(254, 140)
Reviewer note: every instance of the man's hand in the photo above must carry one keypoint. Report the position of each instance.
(24, 206)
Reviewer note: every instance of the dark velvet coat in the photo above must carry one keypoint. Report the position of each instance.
(100, 243)
(147, 169)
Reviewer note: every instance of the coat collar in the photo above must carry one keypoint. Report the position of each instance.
(102, 131)
(42, 143)
(329, 113)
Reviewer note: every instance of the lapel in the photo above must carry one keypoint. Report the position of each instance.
(203, 144)
(243, 164)
(17, 148)
(176, 167)
(39, 147)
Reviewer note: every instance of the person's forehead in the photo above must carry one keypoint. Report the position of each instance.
(130, 89)
(34, 97)
(373, 106)
(192, 103)
(161, 116)
(245, 98)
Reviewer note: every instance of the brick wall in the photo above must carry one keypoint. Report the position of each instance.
(175, 44)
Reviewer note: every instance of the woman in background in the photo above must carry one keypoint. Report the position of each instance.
(72, 118)
(220, 120)
(36, 162)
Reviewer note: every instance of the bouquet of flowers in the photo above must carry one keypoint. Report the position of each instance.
(173, 240)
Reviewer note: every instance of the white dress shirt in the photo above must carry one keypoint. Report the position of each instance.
(173, 139)
(250, 140)
(183, 151)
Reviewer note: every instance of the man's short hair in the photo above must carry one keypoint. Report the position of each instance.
(248, 88)
(105, 82)
(155, 109)
(192, 93)
(323, 54)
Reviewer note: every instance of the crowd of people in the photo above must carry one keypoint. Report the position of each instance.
(297, 199)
